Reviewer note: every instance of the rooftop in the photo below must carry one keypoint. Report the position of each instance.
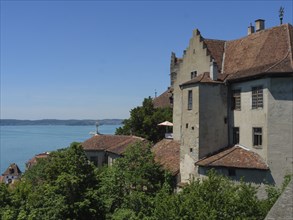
(13, 170)
(236, 157)
(167, 153)
(112, 143)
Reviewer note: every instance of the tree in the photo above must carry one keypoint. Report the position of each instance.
(130, 185)
(144, 120)
(63, 186)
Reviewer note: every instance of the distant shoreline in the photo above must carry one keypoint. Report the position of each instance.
(69, 122)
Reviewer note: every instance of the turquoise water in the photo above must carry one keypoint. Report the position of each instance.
(18, 144)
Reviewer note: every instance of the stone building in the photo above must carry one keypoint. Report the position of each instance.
(232, 105)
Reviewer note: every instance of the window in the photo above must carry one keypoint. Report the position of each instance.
(186, 126)
(94, 160)
(236, 99)
(257, 137)
(236, 135)
(190, 150)
(231, 172)
(257, 97)
(193, 74)
(189, 106)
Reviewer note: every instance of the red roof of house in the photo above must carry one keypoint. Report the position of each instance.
(216, 50)
(202, 78)
(13, 169)
(237, 157)
(167, 153)
(266, 51)
(163, 100)
(112, 143)
(34, 160)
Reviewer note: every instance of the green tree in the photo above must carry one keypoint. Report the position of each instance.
(144, 120)
(130, 185)
(63, 186)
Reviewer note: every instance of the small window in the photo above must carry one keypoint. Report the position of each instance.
(236, 135)
(231, 172)
(193, 74)
(257, 137)
(191, 150)
(189, 106)
(192, 128)
(257, 97)
(186, 125)
(236, 99)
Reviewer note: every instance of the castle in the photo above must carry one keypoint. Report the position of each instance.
(232, 105)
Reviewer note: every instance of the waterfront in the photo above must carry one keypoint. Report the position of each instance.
(20, 143)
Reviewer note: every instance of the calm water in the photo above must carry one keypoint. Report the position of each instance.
(18, 144)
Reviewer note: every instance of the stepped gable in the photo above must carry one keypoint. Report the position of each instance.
(13, 169)
(234, 157)
(112, 143)
(167, 153)
(163, 100)
(263, 52)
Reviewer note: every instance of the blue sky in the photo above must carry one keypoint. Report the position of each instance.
(99, 59)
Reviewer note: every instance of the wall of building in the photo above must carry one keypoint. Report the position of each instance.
(189, 147)
(111, 158)
(247, 175)
(247, 118)
(195, 58)
(213, 133)
(280, 128)
(98, 156)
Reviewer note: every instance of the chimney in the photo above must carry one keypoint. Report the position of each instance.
(259, 25)
(250, 29)
(213, 70)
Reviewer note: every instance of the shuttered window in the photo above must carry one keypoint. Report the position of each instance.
(257, 97)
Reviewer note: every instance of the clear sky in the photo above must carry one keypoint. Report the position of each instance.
(99, 59)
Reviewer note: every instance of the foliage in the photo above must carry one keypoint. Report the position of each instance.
(67, 186)
(144, 120)
(61, 187)
(132, 182)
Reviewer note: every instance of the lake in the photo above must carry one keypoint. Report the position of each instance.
(18, 144)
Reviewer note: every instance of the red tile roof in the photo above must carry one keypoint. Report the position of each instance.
(13, 169)
(163, 100)
(112, 143)
(237, 157)
(167, 153)
(202, 78)
(216, 50)
(266, 51)
(34, 160)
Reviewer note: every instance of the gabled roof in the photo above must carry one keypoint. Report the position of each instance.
(234, 157)
(112, 143)
(13, 170)
(167, 153)
(163, 100)
(263, 52)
